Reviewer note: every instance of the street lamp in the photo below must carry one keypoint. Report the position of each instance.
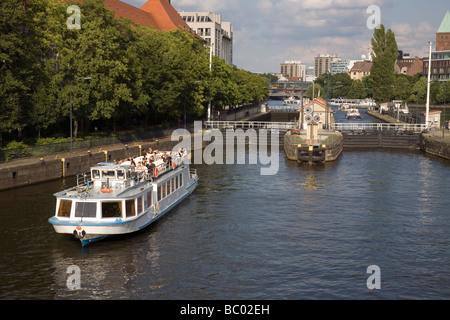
(427, 115)
(71, 131)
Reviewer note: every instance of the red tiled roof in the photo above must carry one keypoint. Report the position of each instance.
(158, 14)
(136, 15)
(165, 16)
(362, 66)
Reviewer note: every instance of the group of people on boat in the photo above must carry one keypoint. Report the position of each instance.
(154, 159)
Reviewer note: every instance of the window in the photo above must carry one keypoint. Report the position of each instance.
(131, 208)
(85, 209)
(111, 209)
(120, 174)
(149, 198)
(65, 206)
(108, 174)
(140, 207)
(164, 191)
(96, 174)
(159, 193)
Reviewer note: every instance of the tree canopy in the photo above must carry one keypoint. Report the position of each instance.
(111, 71)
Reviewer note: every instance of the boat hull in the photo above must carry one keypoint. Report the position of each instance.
(89, 232)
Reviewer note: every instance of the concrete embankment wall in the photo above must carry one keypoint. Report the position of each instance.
(435, 146)
(24, 172)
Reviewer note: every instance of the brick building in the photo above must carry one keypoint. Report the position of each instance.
(440, 59)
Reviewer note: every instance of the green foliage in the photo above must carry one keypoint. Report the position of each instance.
(385, 52)
(137, 75)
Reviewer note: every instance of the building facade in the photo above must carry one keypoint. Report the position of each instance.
(322, 63)
(440, 59)
(360, 70)
(293, 69)
(339, 67)
(218, 34)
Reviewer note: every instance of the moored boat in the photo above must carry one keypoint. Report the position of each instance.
(114, 199)
(353, 114)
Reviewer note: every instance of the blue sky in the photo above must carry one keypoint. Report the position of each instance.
(268, 32)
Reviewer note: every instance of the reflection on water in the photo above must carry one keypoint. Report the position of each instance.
(307, 232)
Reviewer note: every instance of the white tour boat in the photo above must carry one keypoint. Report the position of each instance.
(291, 101)
(353, 114)
(118, 199)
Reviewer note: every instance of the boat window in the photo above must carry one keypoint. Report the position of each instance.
(85, 209)
(173, 184)
(149, 198)
(111, 209)
(131, 208)
(159, 193)
(169, 187)
(120, 174)
(164, 190)
(65, 206)
(108, 174)
(176, 182)
(96, 174)
(181, 180)
(140, 207)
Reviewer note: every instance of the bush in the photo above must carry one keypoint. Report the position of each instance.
(15, 148)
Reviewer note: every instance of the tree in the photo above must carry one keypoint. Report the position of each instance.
(318, 91)
(402, 87)
(385, 52)
(419, 91)
(21, 52)
(357, 90)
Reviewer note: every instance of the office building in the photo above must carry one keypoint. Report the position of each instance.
(217, 33)
(322, 63)
(293, 69)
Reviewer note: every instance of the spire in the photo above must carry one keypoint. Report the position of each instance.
(445, 25)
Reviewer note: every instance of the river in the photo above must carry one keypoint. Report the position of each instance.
(304, 233)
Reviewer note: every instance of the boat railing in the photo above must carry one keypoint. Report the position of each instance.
(193, 172)
(83, 178)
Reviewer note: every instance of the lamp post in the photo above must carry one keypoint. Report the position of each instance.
(427, 114)
(71, 130)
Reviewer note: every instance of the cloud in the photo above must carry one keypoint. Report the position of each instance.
(413, 39)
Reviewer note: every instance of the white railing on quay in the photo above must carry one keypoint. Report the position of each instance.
(250, 125)
(379, 127)
(361, 126)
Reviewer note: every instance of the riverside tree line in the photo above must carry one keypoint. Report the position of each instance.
(382, 84)
(113, 73)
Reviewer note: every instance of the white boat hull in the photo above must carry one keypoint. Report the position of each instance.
(127, 204)
(88, 232)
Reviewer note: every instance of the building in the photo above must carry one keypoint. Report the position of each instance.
(293, 69)
(440, 59)
(443, 34)
(407, 65)
(217, 33)
(340, 66)
(322, 63)
(360, 69)
(319, 107)
(157, 14)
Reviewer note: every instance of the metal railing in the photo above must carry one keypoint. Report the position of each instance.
(379, 127)
(361, 126)
(250, 125)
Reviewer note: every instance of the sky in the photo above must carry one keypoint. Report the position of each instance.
(269, 32)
